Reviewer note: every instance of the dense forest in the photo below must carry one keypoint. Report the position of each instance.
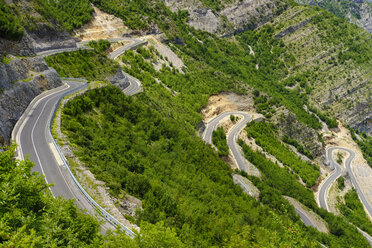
(31, 217)
(10, 26)
(69, 14)
(100, 45)
(354, 211)
(181, 181)
(203, 76)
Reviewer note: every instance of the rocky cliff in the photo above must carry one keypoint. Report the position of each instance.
(20, 81)
(235, 16)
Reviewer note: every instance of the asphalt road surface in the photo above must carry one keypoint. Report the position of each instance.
(134, 87)
(336, 173)
(121, 50)
(337, 170)
(84, 46)
(34, 140)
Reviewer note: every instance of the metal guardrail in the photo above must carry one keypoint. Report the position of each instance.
(107, 216)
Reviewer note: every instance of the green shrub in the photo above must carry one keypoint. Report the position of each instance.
(100, 45)
(219, 140)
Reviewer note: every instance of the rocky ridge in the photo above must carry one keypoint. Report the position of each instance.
(236, 16)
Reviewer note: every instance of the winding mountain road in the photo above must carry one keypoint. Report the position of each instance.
(121, 50)
(337, 170)
(33, 136)
(235, 149)
(34, 139)
(232, 135)
(84, 46)
(134, 87)
(336, 173)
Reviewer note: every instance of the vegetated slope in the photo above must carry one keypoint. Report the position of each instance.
(47, 25)
(181, 181)
(265, 137)
(70, 14)
(353, 210)
(136, 146)
(31, 217)
(358, 12)
(226, 17)
(331, 63)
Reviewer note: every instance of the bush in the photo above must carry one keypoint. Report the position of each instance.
(219, 140)
(100, 45)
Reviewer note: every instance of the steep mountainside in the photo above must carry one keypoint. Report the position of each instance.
(322, 66)
(341, 86)
(356, 11)
(297, 67)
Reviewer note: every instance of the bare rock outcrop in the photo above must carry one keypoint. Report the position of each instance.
(358, 12)
(204, 19)
(240, 14)
(247, 14)
(119, 80)
(20, 81)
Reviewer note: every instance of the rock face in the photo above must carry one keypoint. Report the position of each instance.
(251, 13)
(102, 26)
(204, 19)
(20, 81)
(46, 38)
(119, 80)
(234, 17)
(365, 20)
